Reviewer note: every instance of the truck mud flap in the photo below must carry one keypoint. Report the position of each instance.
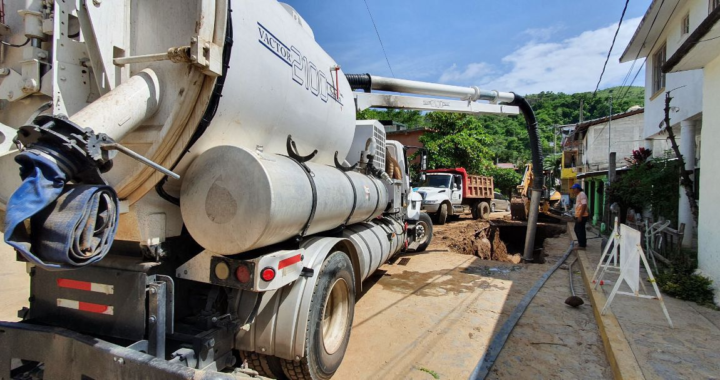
(70, 355)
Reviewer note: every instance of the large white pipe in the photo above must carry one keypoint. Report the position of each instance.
(123, 109)
(435, 89)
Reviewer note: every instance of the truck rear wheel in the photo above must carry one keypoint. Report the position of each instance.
(267, 366)
(423, 232)
(483, 210)
(442, 214)
(329, 321)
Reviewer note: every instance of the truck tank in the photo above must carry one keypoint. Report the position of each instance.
(234, 200)
(280, 83)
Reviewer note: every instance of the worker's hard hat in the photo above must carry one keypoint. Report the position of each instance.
(576, 186)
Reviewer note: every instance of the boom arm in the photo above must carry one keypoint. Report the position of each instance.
(467, 104)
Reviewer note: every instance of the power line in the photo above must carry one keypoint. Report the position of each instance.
(622, 16)
(638, 54)
(627, 90)
(380, 39)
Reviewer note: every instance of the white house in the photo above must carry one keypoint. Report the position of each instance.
(622, 133)
(681, 41)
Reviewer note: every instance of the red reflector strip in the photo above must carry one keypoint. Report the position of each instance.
(73, 284)
(85, 306)
(289, 261)
(85, 285)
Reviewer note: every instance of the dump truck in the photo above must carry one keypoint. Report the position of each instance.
(452, 192)
(195, 197)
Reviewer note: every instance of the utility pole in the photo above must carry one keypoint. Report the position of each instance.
(610, 125)
(582, 105)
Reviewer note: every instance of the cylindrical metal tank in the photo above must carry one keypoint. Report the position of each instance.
(234, 200)
(378, 241)
(280, 83)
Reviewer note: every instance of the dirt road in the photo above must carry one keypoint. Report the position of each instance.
(434, 316)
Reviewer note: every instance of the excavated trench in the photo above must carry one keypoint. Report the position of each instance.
(498, 240)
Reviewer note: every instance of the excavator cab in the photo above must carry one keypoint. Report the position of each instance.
(549, 204)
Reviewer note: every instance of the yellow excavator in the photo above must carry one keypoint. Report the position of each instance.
(549, 204)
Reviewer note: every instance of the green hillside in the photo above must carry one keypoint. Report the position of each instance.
(475, 142)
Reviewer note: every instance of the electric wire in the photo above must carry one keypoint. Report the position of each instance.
(379, 39)
(612, 45)
(627, 90)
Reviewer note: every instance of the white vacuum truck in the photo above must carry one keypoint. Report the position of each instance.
(195, 198)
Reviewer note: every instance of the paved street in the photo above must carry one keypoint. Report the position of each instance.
(14, 283)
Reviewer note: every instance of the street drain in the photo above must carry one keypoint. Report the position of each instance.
(404, 261)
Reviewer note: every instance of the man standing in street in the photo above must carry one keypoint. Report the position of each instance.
(581, 215)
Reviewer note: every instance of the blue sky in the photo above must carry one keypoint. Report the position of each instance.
(525, 46)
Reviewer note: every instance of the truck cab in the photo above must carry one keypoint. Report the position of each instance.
(453, 192)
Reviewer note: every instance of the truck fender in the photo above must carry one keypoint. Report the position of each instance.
(414, 206)
(281, 323)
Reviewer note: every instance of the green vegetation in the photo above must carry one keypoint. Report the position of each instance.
(652, 184)
(649, 185)
(477, 142)
(431, 372)
(680, 281)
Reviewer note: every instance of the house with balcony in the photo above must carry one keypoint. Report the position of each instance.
(680, 41)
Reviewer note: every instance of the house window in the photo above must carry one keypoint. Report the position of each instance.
(658, 75)
(685, 26)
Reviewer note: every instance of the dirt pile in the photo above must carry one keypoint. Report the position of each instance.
(477, 238)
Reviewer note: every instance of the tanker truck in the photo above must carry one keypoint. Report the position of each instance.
(190, 190)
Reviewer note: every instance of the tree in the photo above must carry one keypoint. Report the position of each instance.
(506, 180)
(475, 142)
(457, 140)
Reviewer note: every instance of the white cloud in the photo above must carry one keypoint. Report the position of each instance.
(572, 65)
(541, 34)
(473, 70)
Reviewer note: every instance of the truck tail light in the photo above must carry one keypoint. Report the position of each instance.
(242, 273)
(267, 274)
(222, 270)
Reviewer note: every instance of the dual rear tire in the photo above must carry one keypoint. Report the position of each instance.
(328, 327)
(481, 210)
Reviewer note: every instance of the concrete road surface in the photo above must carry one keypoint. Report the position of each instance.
(14, 284)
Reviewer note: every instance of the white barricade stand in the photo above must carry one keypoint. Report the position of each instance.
(630, 254)
(611, 254)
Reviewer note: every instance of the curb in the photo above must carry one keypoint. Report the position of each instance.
(617, 348)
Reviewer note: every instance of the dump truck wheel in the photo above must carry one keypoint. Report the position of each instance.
(267, 366)
(442, 214)
(329, 321)
(423, 232)
(474, 211)
(484, 210)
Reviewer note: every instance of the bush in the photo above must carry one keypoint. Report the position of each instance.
(652, 185)
(688, 287)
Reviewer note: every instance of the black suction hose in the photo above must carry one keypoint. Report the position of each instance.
(537, 185)
(360, 81)
(535, 144)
